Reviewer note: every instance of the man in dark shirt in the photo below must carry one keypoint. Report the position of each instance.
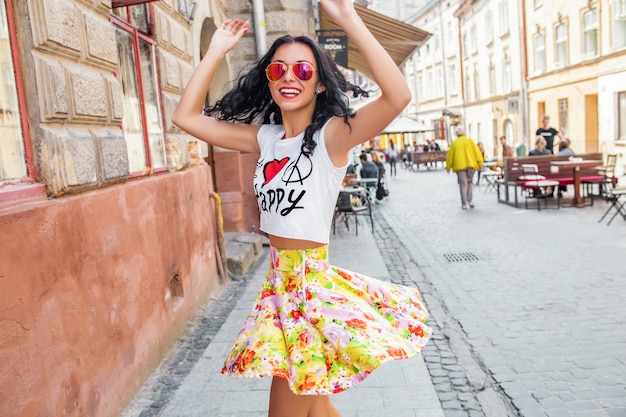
(368, 168)
(548, 133)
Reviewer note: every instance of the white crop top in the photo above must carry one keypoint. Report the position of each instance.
(296, 194)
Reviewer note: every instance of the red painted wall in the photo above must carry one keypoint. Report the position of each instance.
(234, 172)
(86, 302)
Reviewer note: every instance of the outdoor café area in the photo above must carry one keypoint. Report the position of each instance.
(359, 195)
(555, 181)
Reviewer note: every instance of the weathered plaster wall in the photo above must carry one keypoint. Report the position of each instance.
(96, 287)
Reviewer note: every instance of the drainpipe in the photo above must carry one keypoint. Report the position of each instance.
(258, 13)
(524, 80)
(445, 72)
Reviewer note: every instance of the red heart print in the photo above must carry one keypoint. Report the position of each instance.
(272, 168)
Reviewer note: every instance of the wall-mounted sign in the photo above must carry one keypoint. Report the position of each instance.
(336, 47)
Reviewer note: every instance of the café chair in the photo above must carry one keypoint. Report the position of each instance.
(608, 180)
(617, 198)
(489, 177)
(536, 186)
(352, 203)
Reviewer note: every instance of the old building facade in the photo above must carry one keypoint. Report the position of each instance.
(109, 238)
(434, 74)
(519, 60)
(577, 70)
(108, 212)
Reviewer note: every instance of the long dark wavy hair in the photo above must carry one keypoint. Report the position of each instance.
(250, 100)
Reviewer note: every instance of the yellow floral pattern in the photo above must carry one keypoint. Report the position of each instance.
(322, 328)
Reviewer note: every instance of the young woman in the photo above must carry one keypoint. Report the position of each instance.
(316, 329)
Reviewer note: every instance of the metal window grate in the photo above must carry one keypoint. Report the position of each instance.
(460, 257)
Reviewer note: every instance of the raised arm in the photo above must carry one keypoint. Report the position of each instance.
(188, 115)
(372, 118)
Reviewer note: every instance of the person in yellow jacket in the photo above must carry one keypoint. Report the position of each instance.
(464, 158)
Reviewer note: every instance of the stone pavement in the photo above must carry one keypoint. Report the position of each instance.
(530, 304)
(527, 307)
(189, 384)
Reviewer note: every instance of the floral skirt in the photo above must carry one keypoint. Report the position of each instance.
(322, 328)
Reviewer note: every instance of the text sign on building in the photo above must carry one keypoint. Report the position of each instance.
(336, 47)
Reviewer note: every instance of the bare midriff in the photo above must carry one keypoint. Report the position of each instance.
(286, 243)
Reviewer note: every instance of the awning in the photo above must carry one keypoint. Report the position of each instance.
(403, 124)
(451, 111)
(399, 39)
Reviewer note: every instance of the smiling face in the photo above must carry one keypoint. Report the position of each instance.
(289, 92)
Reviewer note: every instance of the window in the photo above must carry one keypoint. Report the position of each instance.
(124, 3)
(476, 84)
(440, 82)
(468, 89)
(465, 50)
(453, 84)
(420, 87)
(473, 39)
(540, 52)
(561, 45)
(143, 121)
(489, 28)
(506, 76)
(15, 154)
(619, 24)
(590, 33)
(563, 112)
(429, 86)
(492, 80)
(451, 31)
(621, 115)
(503, 17)
(187, 8)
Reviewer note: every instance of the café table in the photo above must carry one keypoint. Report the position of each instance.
(368, 183)
(575, 164)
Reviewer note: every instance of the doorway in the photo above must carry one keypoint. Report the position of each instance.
(591, 123)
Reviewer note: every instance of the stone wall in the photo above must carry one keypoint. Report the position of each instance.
(101, 281)
(69, 57)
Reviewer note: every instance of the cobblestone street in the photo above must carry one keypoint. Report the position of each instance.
(528, 305)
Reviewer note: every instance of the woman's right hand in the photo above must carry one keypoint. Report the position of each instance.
(228, 34)
(188, 115)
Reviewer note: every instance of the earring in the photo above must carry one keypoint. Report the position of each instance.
(317, 91)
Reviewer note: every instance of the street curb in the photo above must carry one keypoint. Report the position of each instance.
(242, 251)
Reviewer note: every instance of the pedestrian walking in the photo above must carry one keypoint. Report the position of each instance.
(392, 152)
(464, 158)
(315, 328)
